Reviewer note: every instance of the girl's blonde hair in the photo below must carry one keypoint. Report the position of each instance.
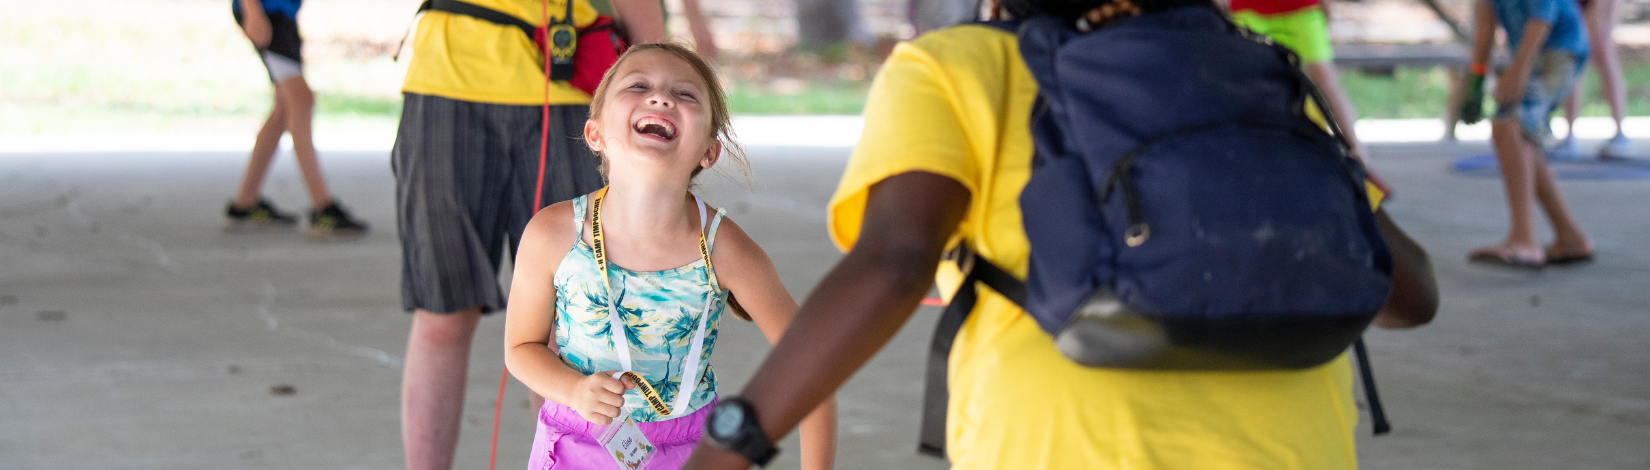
(719, 121)
(720, 129)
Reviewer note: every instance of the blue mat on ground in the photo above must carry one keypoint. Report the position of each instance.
(1569, 169)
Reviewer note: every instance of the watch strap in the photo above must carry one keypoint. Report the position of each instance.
(749, 441)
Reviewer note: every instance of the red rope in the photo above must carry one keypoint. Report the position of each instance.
(538, 203)
(498, 408)
(544, 125)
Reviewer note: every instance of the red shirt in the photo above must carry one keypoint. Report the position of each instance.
(1272, 7)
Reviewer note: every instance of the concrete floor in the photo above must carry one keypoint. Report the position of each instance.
(135, 334)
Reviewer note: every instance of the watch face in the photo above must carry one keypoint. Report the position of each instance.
(726, 419)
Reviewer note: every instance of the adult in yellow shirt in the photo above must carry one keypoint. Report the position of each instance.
(945, 153)
(466, 164)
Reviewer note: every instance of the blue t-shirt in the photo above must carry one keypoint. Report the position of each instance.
(1568, 33)
(287, 8)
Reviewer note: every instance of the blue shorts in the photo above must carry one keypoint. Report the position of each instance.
(1551, 78)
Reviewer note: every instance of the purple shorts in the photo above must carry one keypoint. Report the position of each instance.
(566, 441)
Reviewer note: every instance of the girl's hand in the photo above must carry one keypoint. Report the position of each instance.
(597, 397)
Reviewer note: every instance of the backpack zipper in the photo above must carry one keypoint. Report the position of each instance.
(1138, 231)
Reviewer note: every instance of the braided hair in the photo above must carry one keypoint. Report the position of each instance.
(1096, 13)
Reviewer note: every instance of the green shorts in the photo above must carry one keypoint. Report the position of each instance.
(1306, 31)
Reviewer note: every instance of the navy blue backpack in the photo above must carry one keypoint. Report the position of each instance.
(1184, 212)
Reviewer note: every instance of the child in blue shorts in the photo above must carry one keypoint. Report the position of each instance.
(1549, 46)
(272, 26)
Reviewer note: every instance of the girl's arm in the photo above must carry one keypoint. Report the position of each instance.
(529, 326)
(255, 23)
(745, 270)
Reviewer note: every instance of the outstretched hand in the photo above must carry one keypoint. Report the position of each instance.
(598, 397)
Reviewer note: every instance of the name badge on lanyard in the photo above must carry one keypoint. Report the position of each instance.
(626, 443)
(623, 438)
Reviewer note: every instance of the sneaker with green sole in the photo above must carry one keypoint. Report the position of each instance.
(333, 221)
(261, 216)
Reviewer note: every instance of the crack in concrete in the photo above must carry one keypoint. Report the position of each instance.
(273, 324)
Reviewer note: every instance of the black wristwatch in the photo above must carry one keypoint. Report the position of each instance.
(731, 425)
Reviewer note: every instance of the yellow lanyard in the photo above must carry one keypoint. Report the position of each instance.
(621, 343)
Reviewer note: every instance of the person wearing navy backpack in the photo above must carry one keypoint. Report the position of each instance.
(949, 159)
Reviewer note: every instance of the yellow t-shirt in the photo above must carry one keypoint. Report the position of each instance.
(956, 102)
(469, 59)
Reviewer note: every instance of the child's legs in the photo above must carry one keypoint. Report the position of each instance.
(263, 152)
(1555, 74)
(1601, 18)
(1566, 233)
(1518, 129)
(1329, 81)
(1516, 157)
(1572, 105)
(295, 94)
(1306, 32)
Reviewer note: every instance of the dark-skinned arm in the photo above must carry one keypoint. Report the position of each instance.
(1414, 298)
(859, 305)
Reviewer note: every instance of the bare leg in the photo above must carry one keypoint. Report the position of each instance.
(263, 152)
(1567, 237)
(1324, 75)
(294, 93)
(432, 386)
(1518, 159)
(1571, 103)
(1601, 22)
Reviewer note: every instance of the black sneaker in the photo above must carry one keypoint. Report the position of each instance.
(262, 215)
(332, 222)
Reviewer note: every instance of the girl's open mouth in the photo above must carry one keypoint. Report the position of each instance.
(656, 127)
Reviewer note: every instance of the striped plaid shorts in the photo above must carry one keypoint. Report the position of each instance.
(465, 175)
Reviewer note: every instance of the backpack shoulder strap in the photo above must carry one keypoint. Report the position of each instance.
(460, 7)
(935, 395)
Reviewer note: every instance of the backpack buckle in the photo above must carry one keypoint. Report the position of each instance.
(962, 255)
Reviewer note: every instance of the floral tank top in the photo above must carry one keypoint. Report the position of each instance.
(660, 312)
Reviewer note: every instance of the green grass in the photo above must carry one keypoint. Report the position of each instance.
(1420, 93)
(122, 66)
(1409, 93)
(817, 97)
(356, 106)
